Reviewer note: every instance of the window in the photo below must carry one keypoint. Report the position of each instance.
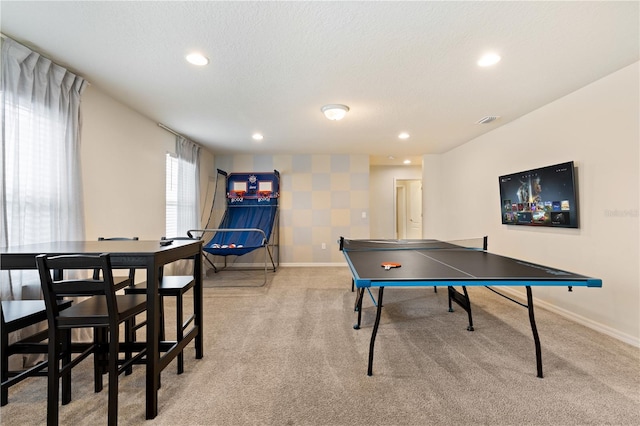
(181, 196)
(30, 191)
(171, 228)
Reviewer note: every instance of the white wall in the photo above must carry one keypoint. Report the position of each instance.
(322, 197)
(433, 211)
(382, 203)
(123, 157)
(123, 167)
(598, 128)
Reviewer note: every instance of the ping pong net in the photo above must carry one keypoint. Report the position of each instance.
(476, 244)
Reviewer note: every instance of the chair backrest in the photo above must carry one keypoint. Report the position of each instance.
(178, 239)
(181, 238)
(132, 271)
(76, 264)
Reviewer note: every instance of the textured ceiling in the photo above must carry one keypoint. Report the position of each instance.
(399, 66)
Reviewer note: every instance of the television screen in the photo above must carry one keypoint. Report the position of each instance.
(540, 197)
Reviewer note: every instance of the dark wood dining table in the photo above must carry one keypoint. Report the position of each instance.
(147, 255)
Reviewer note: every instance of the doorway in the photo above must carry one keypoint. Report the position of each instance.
(408, 212)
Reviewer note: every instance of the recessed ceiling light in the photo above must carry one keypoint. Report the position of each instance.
(404, 135)
(488, 60)
(257, 137)
(407, 161)
(197, 59)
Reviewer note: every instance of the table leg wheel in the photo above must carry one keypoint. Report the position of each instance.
(356, 326)
(451, 310)
(470, 328)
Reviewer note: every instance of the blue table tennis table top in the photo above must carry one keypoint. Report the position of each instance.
(436, 263)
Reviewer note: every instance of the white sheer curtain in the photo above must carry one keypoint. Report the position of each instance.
(41, 192)
(188, 191)
(185, 194)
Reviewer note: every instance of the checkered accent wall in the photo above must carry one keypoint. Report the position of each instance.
(322, 197)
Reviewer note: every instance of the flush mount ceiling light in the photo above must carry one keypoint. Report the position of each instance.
(335, 111)
(488, 60)
(197, 59)
(407, 161)
(257, 137)
(404, 135)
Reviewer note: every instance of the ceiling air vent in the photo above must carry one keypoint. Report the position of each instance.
(488, 119)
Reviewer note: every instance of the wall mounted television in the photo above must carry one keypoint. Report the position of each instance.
(540, 197)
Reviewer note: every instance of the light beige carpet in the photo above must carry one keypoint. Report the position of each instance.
(287, 354)
(238, 277)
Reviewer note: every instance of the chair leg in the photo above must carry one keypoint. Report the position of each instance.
(4, 375)
(162, 334)
(53, 375)
(98, 359)
(112, 416)
(130, 337)
(179, 332)
(66, 360)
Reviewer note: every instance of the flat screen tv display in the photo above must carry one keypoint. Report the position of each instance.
(540, 197)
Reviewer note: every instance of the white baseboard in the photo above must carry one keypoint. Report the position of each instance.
(311, 265)
(286, 265)
(601, 328)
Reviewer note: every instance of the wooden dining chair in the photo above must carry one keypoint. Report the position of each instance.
(170, 286)
(120, 281)
(16, 316)
(101, 309)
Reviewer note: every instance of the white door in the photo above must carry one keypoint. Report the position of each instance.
(414, 210)
(408, 209)
(401, 211)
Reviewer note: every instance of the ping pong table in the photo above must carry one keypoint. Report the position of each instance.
(433, 263)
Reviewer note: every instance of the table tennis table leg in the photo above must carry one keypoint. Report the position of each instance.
(534, 329)
(463, 301)
(358, 303)
(358, 307)
(375, 331)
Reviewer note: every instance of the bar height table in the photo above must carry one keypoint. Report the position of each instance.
(147, 255)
